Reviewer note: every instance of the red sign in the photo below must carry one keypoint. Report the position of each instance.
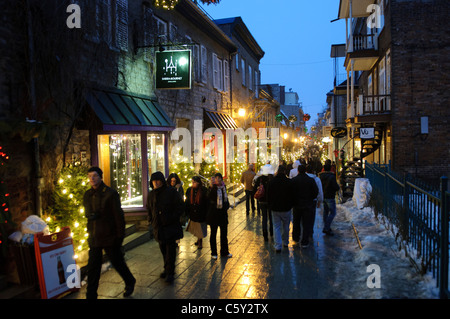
(56, 266)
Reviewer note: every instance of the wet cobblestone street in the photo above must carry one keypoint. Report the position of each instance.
(255, 271)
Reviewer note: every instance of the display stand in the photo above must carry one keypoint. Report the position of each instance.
(56, 265)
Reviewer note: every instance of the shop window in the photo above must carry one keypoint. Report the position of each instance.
(120, 158)
(155, 153)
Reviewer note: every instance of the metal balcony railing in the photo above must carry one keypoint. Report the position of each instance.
(363, 42)
(374, 104)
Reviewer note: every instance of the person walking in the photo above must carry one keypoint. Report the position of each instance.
(217, 216)
(106, 229)
(247, 180)
(196, 206)
(174, 181)
(319, 200)
(164, 206)
(294, 171)
(280, 202)
(263, 180)
(305, 192)
(330, 187)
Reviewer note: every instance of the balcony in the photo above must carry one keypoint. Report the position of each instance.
(363, 51)
(373, 108)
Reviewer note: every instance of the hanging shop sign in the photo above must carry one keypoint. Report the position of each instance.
(56, 266)
(339, 132)
(173, 69)
(366, 132)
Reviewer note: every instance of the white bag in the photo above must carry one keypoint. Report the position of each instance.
(33, 225)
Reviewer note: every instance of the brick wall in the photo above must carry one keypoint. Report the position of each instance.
(420, 86)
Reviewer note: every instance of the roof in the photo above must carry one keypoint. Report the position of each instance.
(117, 109)
(239, 28)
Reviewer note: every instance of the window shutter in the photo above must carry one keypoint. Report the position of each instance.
(219, 74)
(148, 32)
(215, 71)
(122, 24)
(226, 76)
(204, 61)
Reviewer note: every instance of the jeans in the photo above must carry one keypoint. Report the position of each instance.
(249, 197)
(303, 222)
(94, 267)
(329, 212)
(281, 223)
(266, 217)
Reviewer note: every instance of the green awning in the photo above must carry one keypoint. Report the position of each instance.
(122, 110)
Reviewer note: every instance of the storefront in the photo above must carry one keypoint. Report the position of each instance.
(129, 135)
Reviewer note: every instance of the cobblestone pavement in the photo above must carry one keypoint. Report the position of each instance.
(255, 271)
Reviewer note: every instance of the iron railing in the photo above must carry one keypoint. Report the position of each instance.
(421, 214)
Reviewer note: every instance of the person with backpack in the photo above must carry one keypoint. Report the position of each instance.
(330, 187)
(261, 191)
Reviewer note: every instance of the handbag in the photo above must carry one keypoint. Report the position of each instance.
(260, 192)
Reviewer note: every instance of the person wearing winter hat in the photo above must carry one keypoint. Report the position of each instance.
(164, 206)
(106, 229)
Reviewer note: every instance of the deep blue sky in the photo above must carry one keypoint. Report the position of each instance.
(296, 36)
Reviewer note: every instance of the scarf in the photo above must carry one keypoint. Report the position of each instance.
(221, 196)
(198, 194)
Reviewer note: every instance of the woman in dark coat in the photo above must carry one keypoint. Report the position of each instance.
(196, 206)
(165, 206)
(217, 216)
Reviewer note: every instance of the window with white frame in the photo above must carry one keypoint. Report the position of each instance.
(250, 79)
(243, 72)
(217, 72)
(226, 76)
(161, 29)
(256, 84)
(173, 32)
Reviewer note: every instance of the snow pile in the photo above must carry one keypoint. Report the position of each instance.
(399, 278)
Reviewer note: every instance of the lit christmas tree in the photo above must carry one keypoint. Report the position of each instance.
(67, 208)
(184, 168)
(236, 170)
(208, 168)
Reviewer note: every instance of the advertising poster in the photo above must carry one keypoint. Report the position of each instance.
(55, 263)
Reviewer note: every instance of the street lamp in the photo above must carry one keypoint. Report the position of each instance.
(241, 112)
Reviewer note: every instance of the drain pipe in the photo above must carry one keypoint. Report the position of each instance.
(36, 160)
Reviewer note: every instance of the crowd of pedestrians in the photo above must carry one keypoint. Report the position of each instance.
(281, 197)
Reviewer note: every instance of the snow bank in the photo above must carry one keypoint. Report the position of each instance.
(380, 247)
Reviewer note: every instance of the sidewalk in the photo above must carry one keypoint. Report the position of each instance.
(324, 270)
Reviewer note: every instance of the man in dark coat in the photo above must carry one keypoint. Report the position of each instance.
(280, 199)
(165, 206)
(106, 229)
(196, 206)
(330, 187)
(305, 192)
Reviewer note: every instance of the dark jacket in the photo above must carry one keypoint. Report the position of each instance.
(197, 212)
(280, 196)
(264, 180)
(164, 207)
(305, 189)
(106, 222)
(216, 216)
(329, 184)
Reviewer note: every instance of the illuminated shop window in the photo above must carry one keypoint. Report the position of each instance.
(155, 153)
(120, 158)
